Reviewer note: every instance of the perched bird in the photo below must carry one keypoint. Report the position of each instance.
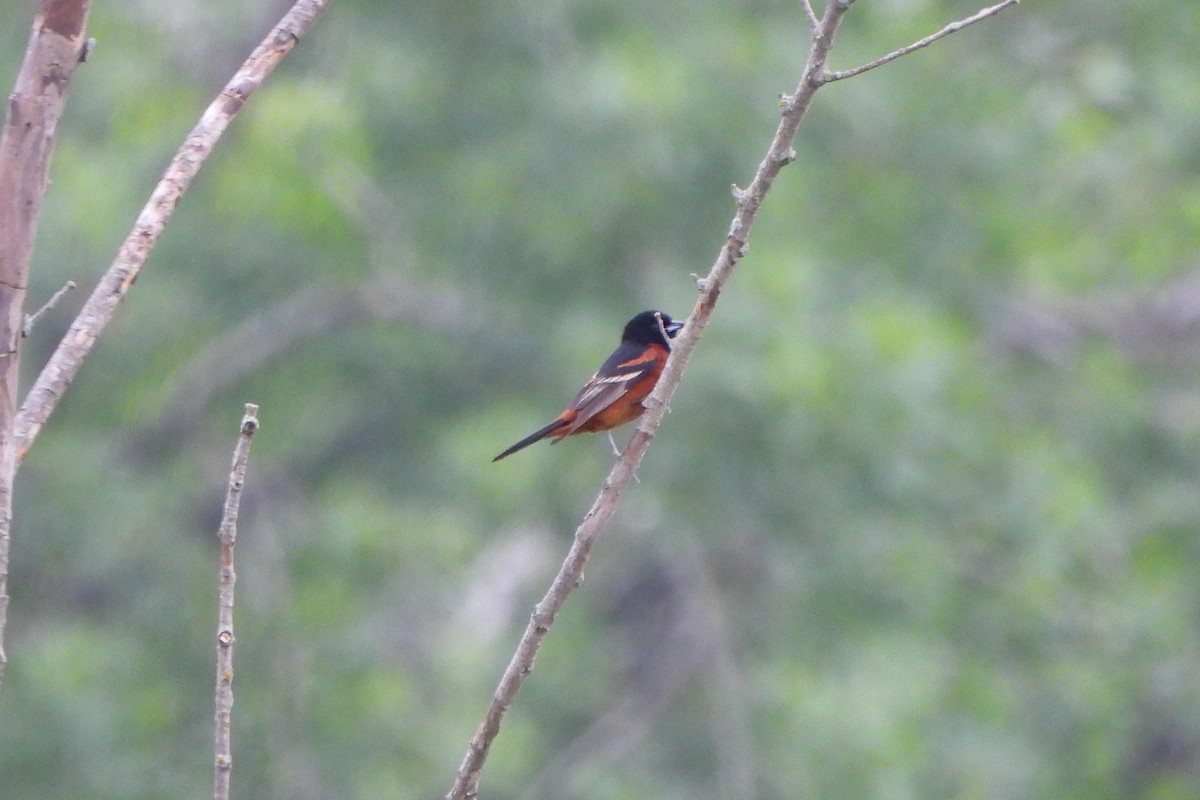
(614, 395)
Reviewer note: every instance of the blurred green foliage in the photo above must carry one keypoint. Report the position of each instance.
(922, 523)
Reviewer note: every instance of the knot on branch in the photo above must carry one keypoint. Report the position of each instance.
(784, 158)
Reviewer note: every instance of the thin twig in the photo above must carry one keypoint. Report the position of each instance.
(953, 27)
(75, 346)
(32, 319)
(779, 154)
(226, 578)
(31, 118)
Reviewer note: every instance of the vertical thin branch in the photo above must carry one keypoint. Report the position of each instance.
(75, 346)
(226, 578)
(55, 48)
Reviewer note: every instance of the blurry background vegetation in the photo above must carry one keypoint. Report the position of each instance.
(922, 523)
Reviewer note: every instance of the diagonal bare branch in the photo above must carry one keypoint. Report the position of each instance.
(953, 27)
(75, 346)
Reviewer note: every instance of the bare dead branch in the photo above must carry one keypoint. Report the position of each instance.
(226, 578)
(779, 154)
(953, 27)
(75, 346)
(32, 319)
(26, 142)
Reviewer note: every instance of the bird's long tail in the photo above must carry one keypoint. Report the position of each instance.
(536, 436)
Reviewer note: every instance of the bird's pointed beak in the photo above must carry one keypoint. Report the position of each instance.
(673, 327)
